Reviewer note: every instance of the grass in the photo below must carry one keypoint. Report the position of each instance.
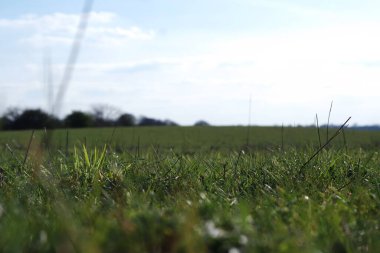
(192, 139)
(189, 190)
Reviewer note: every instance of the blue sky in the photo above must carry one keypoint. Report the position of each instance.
(191, 60)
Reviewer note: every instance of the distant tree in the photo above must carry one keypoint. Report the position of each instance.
(54, 122)
(78, 119)
(126, 119)
(9, 117)
(12, 113)
(201, 123)
(169, 122)
(35, 119)
(104, 115)
(145, 121)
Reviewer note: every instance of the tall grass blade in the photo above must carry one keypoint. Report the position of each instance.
(327, 143)
(318, 131)
(28, 149)
(100, 160)
(74, 53)
(328, 121)
(86, 157)
(48, 80)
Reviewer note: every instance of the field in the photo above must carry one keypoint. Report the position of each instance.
(189, 189)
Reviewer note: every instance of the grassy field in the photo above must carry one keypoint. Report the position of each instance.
(189, 189)
(194, 139)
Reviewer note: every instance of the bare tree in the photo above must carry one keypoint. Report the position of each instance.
(105, 115)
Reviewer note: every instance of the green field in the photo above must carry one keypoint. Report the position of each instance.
(195, 139)
(189, 189)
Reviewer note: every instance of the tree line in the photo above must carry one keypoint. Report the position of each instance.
(100, 116)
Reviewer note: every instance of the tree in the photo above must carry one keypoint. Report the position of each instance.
(78, 119)
(35, 119)
(126, 119)
(201, 123)
(104, 115)
(169, 122)
(145, 121)
(9, 117)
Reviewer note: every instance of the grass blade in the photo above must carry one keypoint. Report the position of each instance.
(325, 145)
(74, 53)
(86, 157)
(318, 131)
(328, 121)
(28, 149)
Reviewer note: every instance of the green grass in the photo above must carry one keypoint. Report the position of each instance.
(189, 190)
(191, 139)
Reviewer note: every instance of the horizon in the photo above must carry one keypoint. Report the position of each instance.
(111, 115)
(230, 63)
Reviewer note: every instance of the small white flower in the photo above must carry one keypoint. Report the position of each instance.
(306, 197)
(213, 231)
(234, 250)
(43, 237)
(243, 240)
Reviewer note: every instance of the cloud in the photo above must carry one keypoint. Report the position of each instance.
(117, 35)
(56, 21)
(301, 9)
(59, 29)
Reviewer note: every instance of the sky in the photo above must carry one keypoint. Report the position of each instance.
(229, 62)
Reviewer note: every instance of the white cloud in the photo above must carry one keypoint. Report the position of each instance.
(291, 7)
(117, 35)
(60, 28)
(55, 21)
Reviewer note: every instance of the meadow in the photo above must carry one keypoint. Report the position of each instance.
(189, 189)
